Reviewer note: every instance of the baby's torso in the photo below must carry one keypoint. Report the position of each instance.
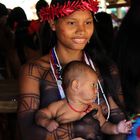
(66, 114)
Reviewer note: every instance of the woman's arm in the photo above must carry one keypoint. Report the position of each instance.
(29, 102)
(28, 105)
(116, 102)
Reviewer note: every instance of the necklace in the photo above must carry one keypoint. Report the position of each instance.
(56, 69)
(78, 111)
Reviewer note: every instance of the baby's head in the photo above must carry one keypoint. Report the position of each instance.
(80, 81)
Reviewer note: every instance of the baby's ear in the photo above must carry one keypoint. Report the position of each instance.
(52, 24)
(75, 85)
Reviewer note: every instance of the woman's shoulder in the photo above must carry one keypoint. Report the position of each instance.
(36, 67)
(41, 62)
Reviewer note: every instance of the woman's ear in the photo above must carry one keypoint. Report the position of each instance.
(75, 85)
(52, 24)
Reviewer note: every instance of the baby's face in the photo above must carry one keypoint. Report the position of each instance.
(88, 88)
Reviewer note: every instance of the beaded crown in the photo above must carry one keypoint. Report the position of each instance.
(57, 11)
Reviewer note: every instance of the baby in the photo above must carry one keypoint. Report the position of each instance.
(80, 86)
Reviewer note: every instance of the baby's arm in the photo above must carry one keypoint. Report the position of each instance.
(44, 117)
(99, 115)
(123, 127)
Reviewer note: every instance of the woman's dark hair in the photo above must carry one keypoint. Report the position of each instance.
(61, 2)
(97, 53)
(105, 31)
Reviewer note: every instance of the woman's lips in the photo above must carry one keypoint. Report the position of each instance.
(80, 40)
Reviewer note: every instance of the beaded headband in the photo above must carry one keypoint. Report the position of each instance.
(57, 11)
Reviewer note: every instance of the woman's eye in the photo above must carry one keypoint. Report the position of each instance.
(89, 22)
(71, 23)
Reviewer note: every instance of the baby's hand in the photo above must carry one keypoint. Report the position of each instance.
(124, 127)
(53, 125)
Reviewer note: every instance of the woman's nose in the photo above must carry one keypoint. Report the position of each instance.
(80, 29)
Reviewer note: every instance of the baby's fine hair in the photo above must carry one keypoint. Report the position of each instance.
(73, 70)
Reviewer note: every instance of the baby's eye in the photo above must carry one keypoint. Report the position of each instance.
(94, 85)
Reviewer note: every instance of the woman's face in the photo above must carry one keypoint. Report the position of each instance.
(74, 31)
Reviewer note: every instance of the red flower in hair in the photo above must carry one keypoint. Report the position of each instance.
(58, 10)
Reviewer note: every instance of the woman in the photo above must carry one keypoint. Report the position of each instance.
(40, 81)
